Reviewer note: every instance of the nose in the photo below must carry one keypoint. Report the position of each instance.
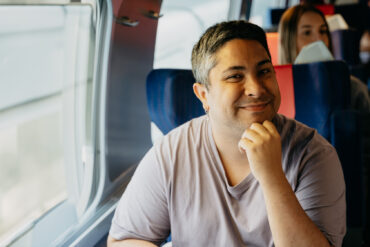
(319, 36)
(316, 37)
(254, 87)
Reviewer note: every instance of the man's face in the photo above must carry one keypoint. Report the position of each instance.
(243, 87)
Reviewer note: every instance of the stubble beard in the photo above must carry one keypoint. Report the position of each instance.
(241, 124)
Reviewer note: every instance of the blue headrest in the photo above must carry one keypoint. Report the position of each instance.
(171, 100)
(320, 89)
(346, 45)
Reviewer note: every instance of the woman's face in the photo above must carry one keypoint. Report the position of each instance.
(311, 27)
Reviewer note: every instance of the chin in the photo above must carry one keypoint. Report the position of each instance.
(256, 117)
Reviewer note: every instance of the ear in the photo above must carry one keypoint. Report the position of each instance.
(201, 92)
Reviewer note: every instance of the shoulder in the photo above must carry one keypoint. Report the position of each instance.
(309, 160)
(187, 136)
(292, 130)
(190, 129)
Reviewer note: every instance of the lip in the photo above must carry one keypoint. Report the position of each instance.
(259, 107)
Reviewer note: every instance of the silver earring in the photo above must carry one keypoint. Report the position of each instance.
(206, 110)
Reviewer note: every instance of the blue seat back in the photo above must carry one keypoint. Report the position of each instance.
(351, 137)
(170, 97)
(320, 89)
(346, 45)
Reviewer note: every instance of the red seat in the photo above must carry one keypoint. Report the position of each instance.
(284, 76)
(273, 44)
(326, 9)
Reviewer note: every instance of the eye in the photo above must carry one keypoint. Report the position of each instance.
(264, 71)
(307, 33)
(234, 77)
(323, 31)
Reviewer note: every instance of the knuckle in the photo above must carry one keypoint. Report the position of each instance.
(268, 137)
(244, 135)
(253, 148)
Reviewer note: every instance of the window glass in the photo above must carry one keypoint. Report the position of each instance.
(181, 25)
(260, 12)
(45, 101)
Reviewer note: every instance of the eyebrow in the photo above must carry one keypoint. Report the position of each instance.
(306, 26)
(264, 62)
(233, 68)
(309, 26)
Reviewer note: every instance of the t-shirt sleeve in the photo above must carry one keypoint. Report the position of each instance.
(142, 212)
(321, 191)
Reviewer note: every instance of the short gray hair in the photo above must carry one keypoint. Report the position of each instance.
(202, 57)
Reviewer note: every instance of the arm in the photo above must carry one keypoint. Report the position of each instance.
(290, 225)
(142, 212)
(128, 243)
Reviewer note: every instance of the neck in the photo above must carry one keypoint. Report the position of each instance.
(227, 145)
(235, 163)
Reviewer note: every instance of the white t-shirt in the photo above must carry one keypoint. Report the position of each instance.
(180, 187)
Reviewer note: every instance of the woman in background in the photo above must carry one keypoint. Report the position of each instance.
(301, 25)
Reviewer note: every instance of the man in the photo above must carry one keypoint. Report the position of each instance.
(242, 175)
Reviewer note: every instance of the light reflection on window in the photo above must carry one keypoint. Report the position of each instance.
(45, 108)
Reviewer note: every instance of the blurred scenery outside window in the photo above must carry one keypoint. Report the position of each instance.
(45, 107)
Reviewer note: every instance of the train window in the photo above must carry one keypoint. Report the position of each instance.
(260, 12)
(192, 18)
(45, 113)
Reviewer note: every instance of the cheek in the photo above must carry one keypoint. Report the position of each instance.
(277, 100)
(326, 41)
(299, 44)
(222, 98)
(275, 91)
(232, 93)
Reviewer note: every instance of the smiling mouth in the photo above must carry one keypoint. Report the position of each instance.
(256, 107)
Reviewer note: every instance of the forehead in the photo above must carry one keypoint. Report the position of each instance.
(240, 51)
(310, 18)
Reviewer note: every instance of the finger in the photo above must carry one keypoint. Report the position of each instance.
(260, 129)
(243, 145)
(270, 127)
(252, 136)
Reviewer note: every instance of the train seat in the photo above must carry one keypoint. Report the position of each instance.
(346, 45)
(322, 101)
(326, 9)
(320, 89)
(170, 98)
(273, 44)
